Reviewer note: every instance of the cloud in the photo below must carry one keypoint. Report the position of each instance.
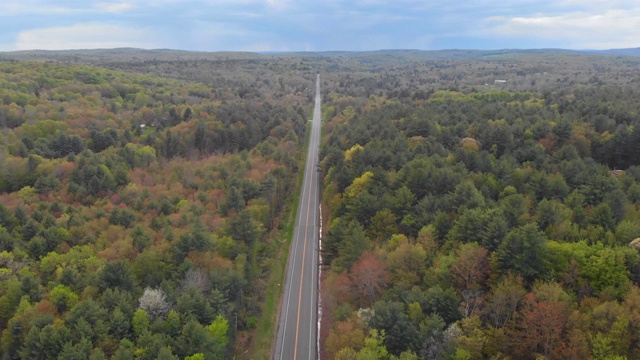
(34, 7)
(84, 36)
(612, 28)
(115, 7)
(278, 4)
(209, 25)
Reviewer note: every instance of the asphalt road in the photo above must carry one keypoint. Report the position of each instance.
(297, 326)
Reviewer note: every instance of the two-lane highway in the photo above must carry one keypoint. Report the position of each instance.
(297, 326)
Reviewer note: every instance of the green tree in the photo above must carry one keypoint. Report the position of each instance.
(382, 226)
(198, 356)
(353, 244)
(125, 350)
(373, 347)
(166, 354)
(140, 322)
(219, 329)
(524, 251)
(63, 298)
(400, 333)
(141, 238)
(193, 304)
(120, 325)
(79, 350)
(234, 200)
(117, 275)
(196, 339)
(603, 216)
(245, 228)
(197, 239)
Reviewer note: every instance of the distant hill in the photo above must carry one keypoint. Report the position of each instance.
(96, 56)
(635, 52)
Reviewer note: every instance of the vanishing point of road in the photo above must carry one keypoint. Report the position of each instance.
(297, 326)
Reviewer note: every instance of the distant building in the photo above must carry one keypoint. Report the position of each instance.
(499, 81)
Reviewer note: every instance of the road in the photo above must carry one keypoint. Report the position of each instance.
(297, 326)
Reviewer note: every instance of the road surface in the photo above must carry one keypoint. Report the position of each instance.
(297, 326)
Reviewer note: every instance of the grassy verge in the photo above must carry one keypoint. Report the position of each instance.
(265, 334)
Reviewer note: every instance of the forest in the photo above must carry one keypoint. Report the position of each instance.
(144, 199)
(138, 215)
(482, 221)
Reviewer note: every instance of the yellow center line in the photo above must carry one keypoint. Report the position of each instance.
(304, 252)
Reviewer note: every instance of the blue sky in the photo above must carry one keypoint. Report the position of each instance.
(318, 25)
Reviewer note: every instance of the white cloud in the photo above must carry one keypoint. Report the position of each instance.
(278, 4)
(31, 7)
(612, 28)
(115, 7)
(84, 36)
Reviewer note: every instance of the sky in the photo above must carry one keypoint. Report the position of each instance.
(318, 25)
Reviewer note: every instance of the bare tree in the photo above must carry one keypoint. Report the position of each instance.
(197, 279)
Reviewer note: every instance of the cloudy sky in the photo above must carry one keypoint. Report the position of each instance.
(318, 25)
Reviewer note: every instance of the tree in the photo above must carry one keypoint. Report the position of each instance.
(198, 356)
(197, 239)
(466, 196)
(407, 263)
(352, 245)
(47, 184)
(141, 238)
(244, 227)
(538, 328)
(218, 330)
(373, 346)
(194, 304)
(120, 325)
(32, 347)
(117, 275)
(345, 334)
(504, 300)
(400, 333)
(335, 236)
(125, 350)
(123, 217)
(514, 208)
(470, 225)
(166, 354)
(470, 272)
(234, 200)
(140, 322)
(368, 276)
(382, 226)
(196, 339)
(523, 250)
(404, 200)
(79, 350)
(154, 302)
(63, 298)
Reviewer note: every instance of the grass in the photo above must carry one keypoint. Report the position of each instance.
(264, 336)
